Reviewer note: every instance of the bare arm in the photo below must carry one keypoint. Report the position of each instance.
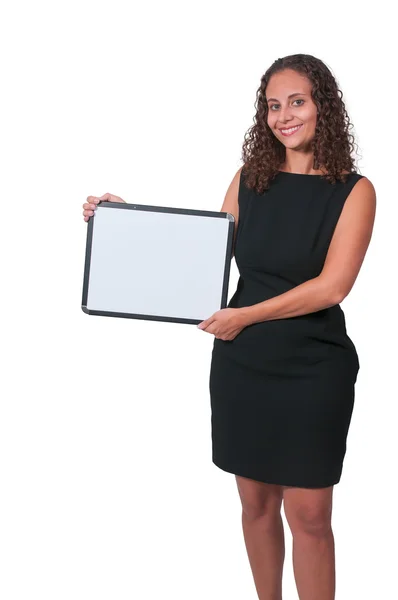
(231, 205)
(345, 256)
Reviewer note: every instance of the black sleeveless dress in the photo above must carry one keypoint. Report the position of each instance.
(282, 391)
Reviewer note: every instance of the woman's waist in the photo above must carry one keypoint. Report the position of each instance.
(331, 317)
(323, 326)
(291, 338)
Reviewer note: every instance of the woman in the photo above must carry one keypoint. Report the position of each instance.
(283, 368)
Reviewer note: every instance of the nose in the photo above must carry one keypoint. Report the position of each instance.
(284, 119)
(284, 116)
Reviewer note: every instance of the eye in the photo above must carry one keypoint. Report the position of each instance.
(298, 100)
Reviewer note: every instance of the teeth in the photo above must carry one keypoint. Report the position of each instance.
(292, 129)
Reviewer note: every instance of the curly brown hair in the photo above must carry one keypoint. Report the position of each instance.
(263, 153)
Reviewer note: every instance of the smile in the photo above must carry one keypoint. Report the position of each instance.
(290, 131)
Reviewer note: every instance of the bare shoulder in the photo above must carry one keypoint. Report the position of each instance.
(231, 200)
(363, 191)
(367, 183)
(360, 203)
(231, 204)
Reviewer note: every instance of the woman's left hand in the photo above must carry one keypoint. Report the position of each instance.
(225, 324)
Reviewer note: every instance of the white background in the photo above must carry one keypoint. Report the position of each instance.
(108, 490)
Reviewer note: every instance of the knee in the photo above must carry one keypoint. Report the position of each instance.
(260, 502)
(310, 521)
(266, 511)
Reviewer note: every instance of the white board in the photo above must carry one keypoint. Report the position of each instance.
(156, 262)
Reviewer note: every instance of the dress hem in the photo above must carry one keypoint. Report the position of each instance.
(242, 472)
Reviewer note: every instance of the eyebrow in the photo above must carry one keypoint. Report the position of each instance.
(291, 96)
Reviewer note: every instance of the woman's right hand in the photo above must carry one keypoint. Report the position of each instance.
(92, 201)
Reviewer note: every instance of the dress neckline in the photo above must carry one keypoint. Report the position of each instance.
(308, 174)
(303, 174)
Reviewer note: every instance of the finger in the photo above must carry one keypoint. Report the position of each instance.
(88, 206)
(204, 324)
(111, 198)
(206, 328)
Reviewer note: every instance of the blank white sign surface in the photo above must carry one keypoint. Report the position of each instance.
(157, 262)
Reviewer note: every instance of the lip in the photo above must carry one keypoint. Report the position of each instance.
(289, 134)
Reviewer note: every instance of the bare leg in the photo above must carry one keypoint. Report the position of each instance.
(309, 516)
(263, 534)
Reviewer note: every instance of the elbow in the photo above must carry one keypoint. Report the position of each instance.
(338, 295)
(334, 295)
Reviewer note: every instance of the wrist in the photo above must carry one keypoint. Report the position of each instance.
(246, 314)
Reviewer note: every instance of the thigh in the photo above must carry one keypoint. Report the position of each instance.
(258, 498)
(308, 509)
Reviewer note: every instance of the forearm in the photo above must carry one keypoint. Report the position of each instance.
(308, 297)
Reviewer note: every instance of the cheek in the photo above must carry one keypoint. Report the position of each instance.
(309, 116)
(271, 120)
(311, 125)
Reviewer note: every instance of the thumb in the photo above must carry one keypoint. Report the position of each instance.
(111, 198)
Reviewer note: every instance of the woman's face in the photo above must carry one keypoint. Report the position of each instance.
(285, 112)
